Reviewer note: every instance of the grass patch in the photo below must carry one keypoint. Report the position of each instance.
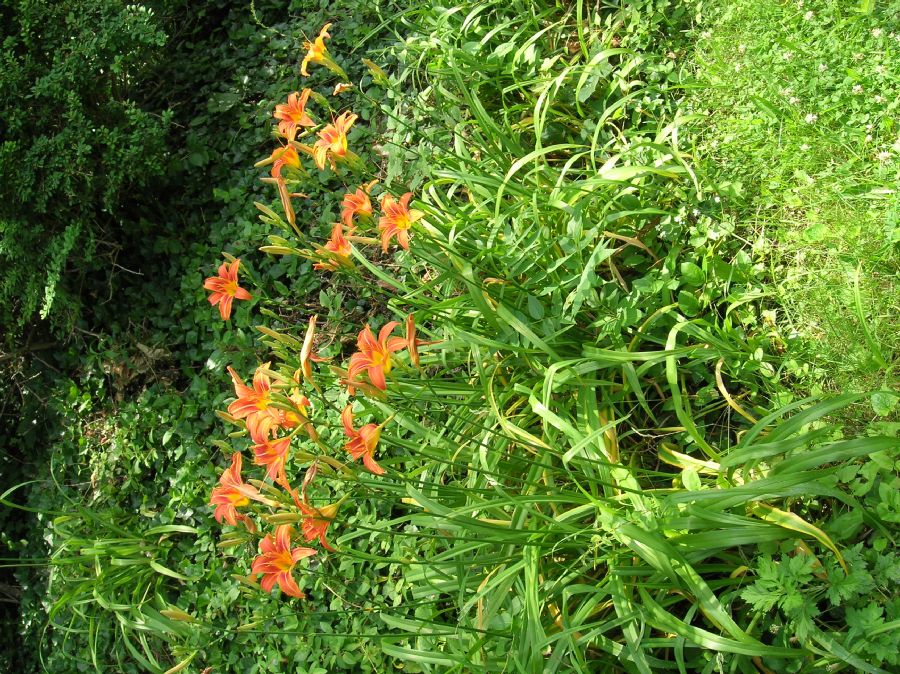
(801, 105)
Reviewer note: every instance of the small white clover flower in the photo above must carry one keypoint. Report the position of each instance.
(822, 67)
(859, 56)
(804, 147)
(706, 34)
(742, 48)
(793, 100)
(879, 98)
(868, 137)
(717, 199)
(738, 67)
(809, 15)
(877, 32)
(883, 156)
(857, 88)
(788, 55)
(811, 118)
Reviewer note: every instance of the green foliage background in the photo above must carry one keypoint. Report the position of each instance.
(128, 132)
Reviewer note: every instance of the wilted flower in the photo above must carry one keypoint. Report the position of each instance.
(396, 220)
(412, 342)
(308, 356)
(225, 288)
(277, 560)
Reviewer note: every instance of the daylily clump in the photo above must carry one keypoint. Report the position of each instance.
(225, 288)
(273, 411)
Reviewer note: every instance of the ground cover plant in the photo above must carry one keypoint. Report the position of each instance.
(502, 390)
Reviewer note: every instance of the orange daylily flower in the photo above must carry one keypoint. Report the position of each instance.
(374, 356)
(341, 87)
(292, 115)
(316, 522)
(357, 203)
(396, 219)
(254, 404)
(284, 156)
(297, 416)
(343, 379)
(225, 288)
(363, 442)
(338, 250)
(317, 52)
(281, 157)
(277, 560)
(273, 454)
(333, 140)
(232, 493)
